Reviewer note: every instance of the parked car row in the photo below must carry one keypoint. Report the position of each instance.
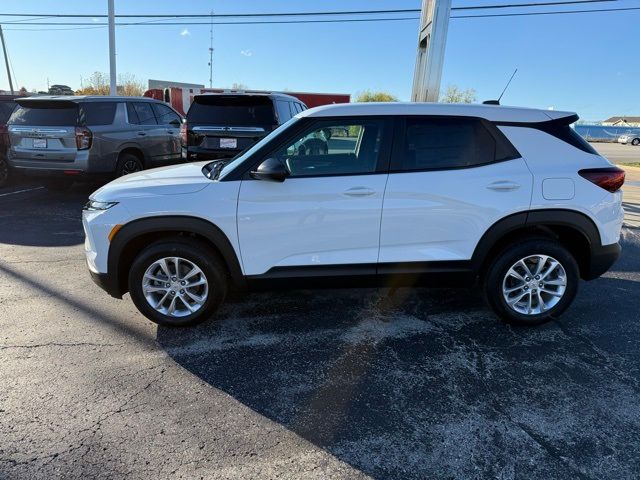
(630, 138)
(62, 139)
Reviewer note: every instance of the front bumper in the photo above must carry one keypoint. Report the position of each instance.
(107, 283)
(602, 259)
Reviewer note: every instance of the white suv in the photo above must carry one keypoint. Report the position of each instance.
(368, 194)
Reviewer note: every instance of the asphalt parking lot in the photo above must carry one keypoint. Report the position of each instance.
(330, 384)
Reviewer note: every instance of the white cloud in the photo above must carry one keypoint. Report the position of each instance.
(246, 53)
(185, 33)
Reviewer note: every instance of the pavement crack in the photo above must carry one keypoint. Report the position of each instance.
(58, 344)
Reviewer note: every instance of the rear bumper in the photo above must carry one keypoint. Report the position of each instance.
(196, 154)
(602, 259)
(107, 283)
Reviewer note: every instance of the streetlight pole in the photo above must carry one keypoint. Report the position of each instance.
(6, 61)
(112, 50)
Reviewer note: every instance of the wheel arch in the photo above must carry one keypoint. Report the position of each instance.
(573, 229)
(137, 234)
(134, 150)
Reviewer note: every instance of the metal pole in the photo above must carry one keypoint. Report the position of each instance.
(432, 40)
(6, 61)
(112, 50)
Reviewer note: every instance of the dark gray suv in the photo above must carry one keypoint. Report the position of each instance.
(67, 138)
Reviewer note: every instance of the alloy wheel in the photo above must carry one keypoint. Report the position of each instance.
(175, 286)
(130, 166)
(534, 284)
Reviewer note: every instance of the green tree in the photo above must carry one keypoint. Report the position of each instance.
(369, 96)
(453, 94)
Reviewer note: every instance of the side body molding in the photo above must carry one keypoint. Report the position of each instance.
(167, 224)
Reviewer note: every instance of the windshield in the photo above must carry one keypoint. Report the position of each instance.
(243, 156)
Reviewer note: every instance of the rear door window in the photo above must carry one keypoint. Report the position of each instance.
(165, 115)
(97, 113)
(144, 113)
(52, 115)
(442, 143)
(232, 110)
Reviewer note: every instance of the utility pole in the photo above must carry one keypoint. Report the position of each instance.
(211, 53)
(112, 50)
(432, 40)
(6, 61)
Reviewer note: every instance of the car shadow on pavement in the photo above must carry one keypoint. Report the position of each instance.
(58, 215)
(429, 384)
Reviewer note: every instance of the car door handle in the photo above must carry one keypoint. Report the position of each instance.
(503, 186)
(142, 134)
(359, 192)
(171, 131)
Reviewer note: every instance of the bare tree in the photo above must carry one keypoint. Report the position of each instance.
(98, 84)
(453, 94)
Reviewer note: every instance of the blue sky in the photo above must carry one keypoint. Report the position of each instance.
(585, 62)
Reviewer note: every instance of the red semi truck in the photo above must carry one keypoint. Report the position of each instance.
(180, 98)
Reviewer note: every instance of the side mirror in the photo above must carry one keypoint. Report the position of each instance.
(175, 123)
(271, 169)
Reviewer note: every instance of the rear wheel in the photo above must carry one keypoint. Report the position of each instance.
(531, 282)
(177, 282)
(635, 141)
(128, 163)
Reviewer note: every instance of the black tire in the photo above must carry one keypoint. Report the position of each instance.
(635, 142)
(497, 271)
(128, 163)
(58, 184)
(4, 172)
(194, 251)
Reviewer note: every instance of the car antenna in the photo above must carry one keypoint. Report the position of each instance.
(497, 102)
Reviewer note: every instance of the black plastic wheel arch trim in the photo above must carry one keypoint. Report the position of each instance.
(166, 224)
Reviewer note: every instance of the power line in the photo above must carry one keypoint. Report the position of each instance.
(304, 14)
(527, 5)
(249, 22)
(528, 14)
(86, 25)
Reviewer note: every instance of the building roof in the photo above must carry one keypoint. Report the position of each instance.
(622, 119)
(496, 113)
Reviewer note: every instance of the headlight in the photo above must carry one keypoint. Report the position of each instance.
(93, 205)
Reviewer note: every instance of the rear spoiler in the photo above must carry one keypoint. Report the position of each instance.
(31, 102)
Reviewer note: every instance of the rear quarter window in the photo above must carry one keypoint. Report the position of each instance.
(49, 116)
(97, 113)
(6, 109)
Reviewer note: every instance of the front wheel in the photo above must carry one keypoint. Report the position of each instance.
(531, 282)
(635, 142)
(177, 282)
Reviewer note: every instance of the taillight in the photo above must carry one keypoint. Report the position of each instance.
(83, 138)
(611, 179)
(183, 133)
